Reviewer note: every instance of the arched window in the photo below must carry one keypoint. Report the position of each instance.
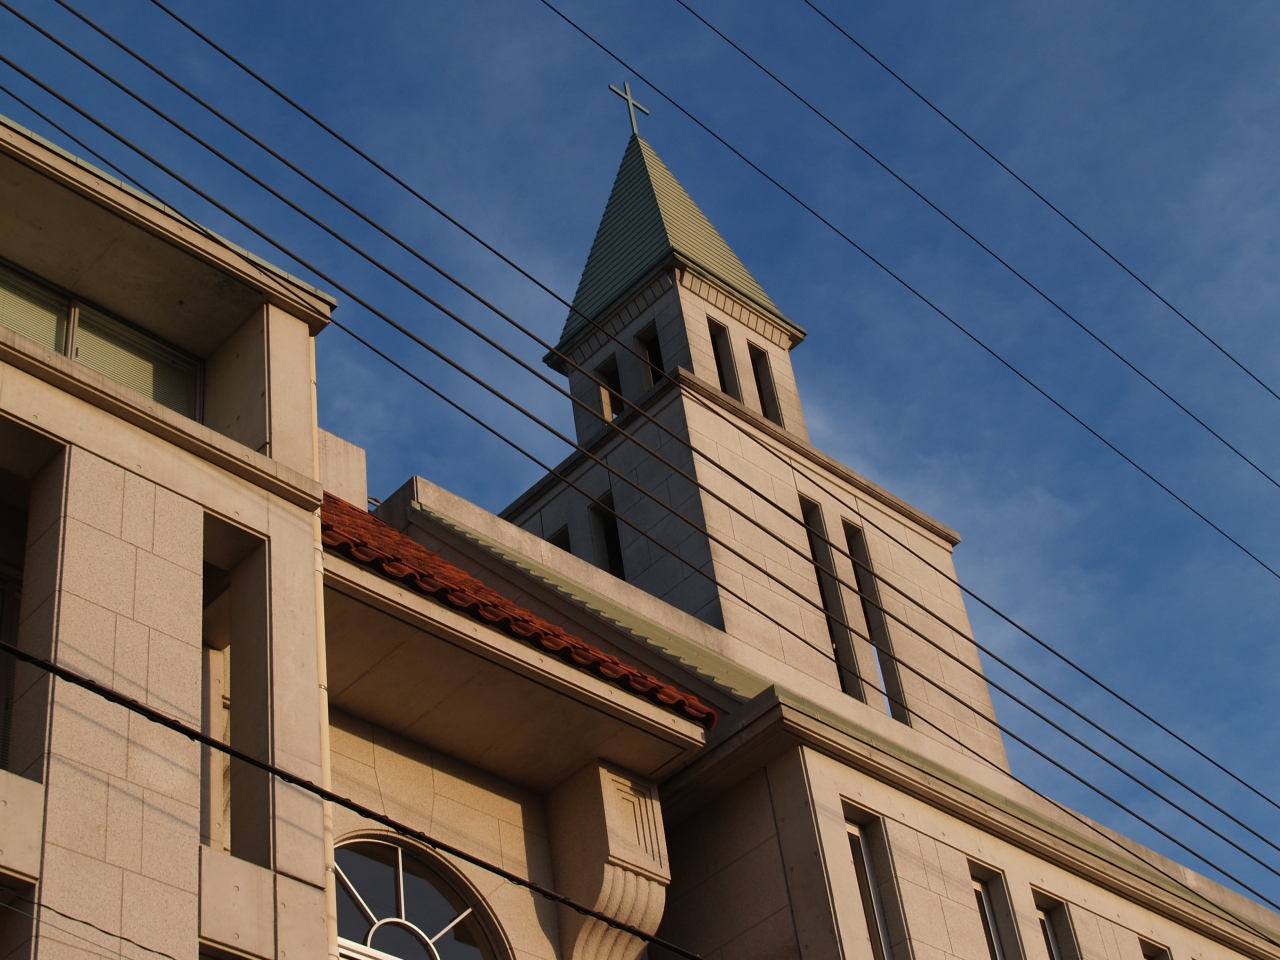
(392, 904)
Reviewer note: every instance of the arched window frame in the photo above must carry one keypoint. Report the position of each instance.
(454, 887)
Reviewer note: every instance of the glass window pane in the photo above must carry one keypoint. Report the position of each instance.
(461, 943)
(370, 868)
(399, 942)
(33, 312)
(425, 906)
(988, 920)
(352, 923)
(138, 362)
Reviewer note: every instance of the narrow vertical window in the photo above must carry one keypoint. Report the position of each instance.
(869, 889)
(235, 799)
(1049, 933)
(765, 390)
(986, 911)
(832, 605)
(608, 545)
(999, 927)
(561, 539)
(1055, 928)
(611, 402)
(651, 350)
(10, 592)
(877, 626)
(723, 352)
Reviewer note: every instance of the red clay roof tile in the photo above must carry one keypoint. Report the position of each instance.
(368, 541)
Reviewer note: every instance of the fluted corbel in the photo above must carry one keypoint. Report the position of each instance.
(609, 852)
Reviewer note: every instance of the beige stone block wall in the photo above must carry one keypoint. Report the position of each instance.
(763, 480)
(769, 591)
(729, 895)
(1097, 938)
(658, 504)
(291, 410)
(122, 814)
(457, 804)
(660, 307)
(342, 469)
(746, 327)
(299, 838)
(930, 890)
(930, 852)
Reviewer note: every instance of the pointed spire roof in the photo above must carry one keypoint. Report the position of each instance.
(648, 218)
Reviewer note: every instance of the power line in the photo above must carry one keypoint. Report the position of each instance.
(40, 904)
(416, 339)
(951, 578)
(959, 700)
(693, 524)
(553, 293)
(968, 233)
(909, 667)
(803, 639)
(191, 733)
(757, 567)
(177, 726)
(89, 151)
(916, 293)
(1041, 197)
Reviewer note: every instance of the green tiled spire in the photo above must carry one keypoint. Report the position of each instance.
(648, 217)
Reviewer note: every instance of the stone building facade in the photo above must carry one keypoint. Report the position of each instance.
(701, 678)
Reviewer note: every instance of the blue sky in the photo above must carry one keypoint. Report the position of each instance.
(1152, 124)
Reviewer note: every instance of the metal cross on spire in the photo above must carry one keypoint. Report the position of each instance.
(632, 106)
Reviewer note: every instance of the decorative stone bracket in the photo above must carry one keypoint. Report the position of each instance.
(609, 852)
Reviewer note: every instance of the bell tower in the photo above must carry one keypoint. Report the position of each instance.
(696, 482)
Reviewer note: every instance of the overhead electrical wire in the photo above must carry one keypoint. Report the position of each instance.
(191, 733)
(614, 471)
(1166, 799)
(88, 150)
(1136, 754)
(1041, 197)
(968, 233)
(553, 293)
(440, 846)
(10, 893)
(419, 341)
(1171, 838)
(915, 292)
(1084, 781)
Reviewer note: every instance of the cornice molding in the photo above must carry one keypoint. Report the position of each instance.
(777, 721)
(707, 392)
(724, 299)
(674, 269)
(276, 287)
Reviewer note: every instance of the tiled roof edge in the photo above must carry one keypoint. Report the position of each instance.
(366, 540)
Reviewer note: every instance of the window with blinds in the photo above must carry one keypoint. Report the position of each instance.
(33, 312)
(137, 361)
(102, 343)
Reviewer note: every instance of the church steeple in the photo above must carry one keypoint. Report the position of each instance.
(695, 480)
(649, 221)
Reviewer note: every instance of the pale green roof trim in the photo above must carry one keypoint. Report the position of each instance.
(697, 659)
(168, 210)
(648, 218)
